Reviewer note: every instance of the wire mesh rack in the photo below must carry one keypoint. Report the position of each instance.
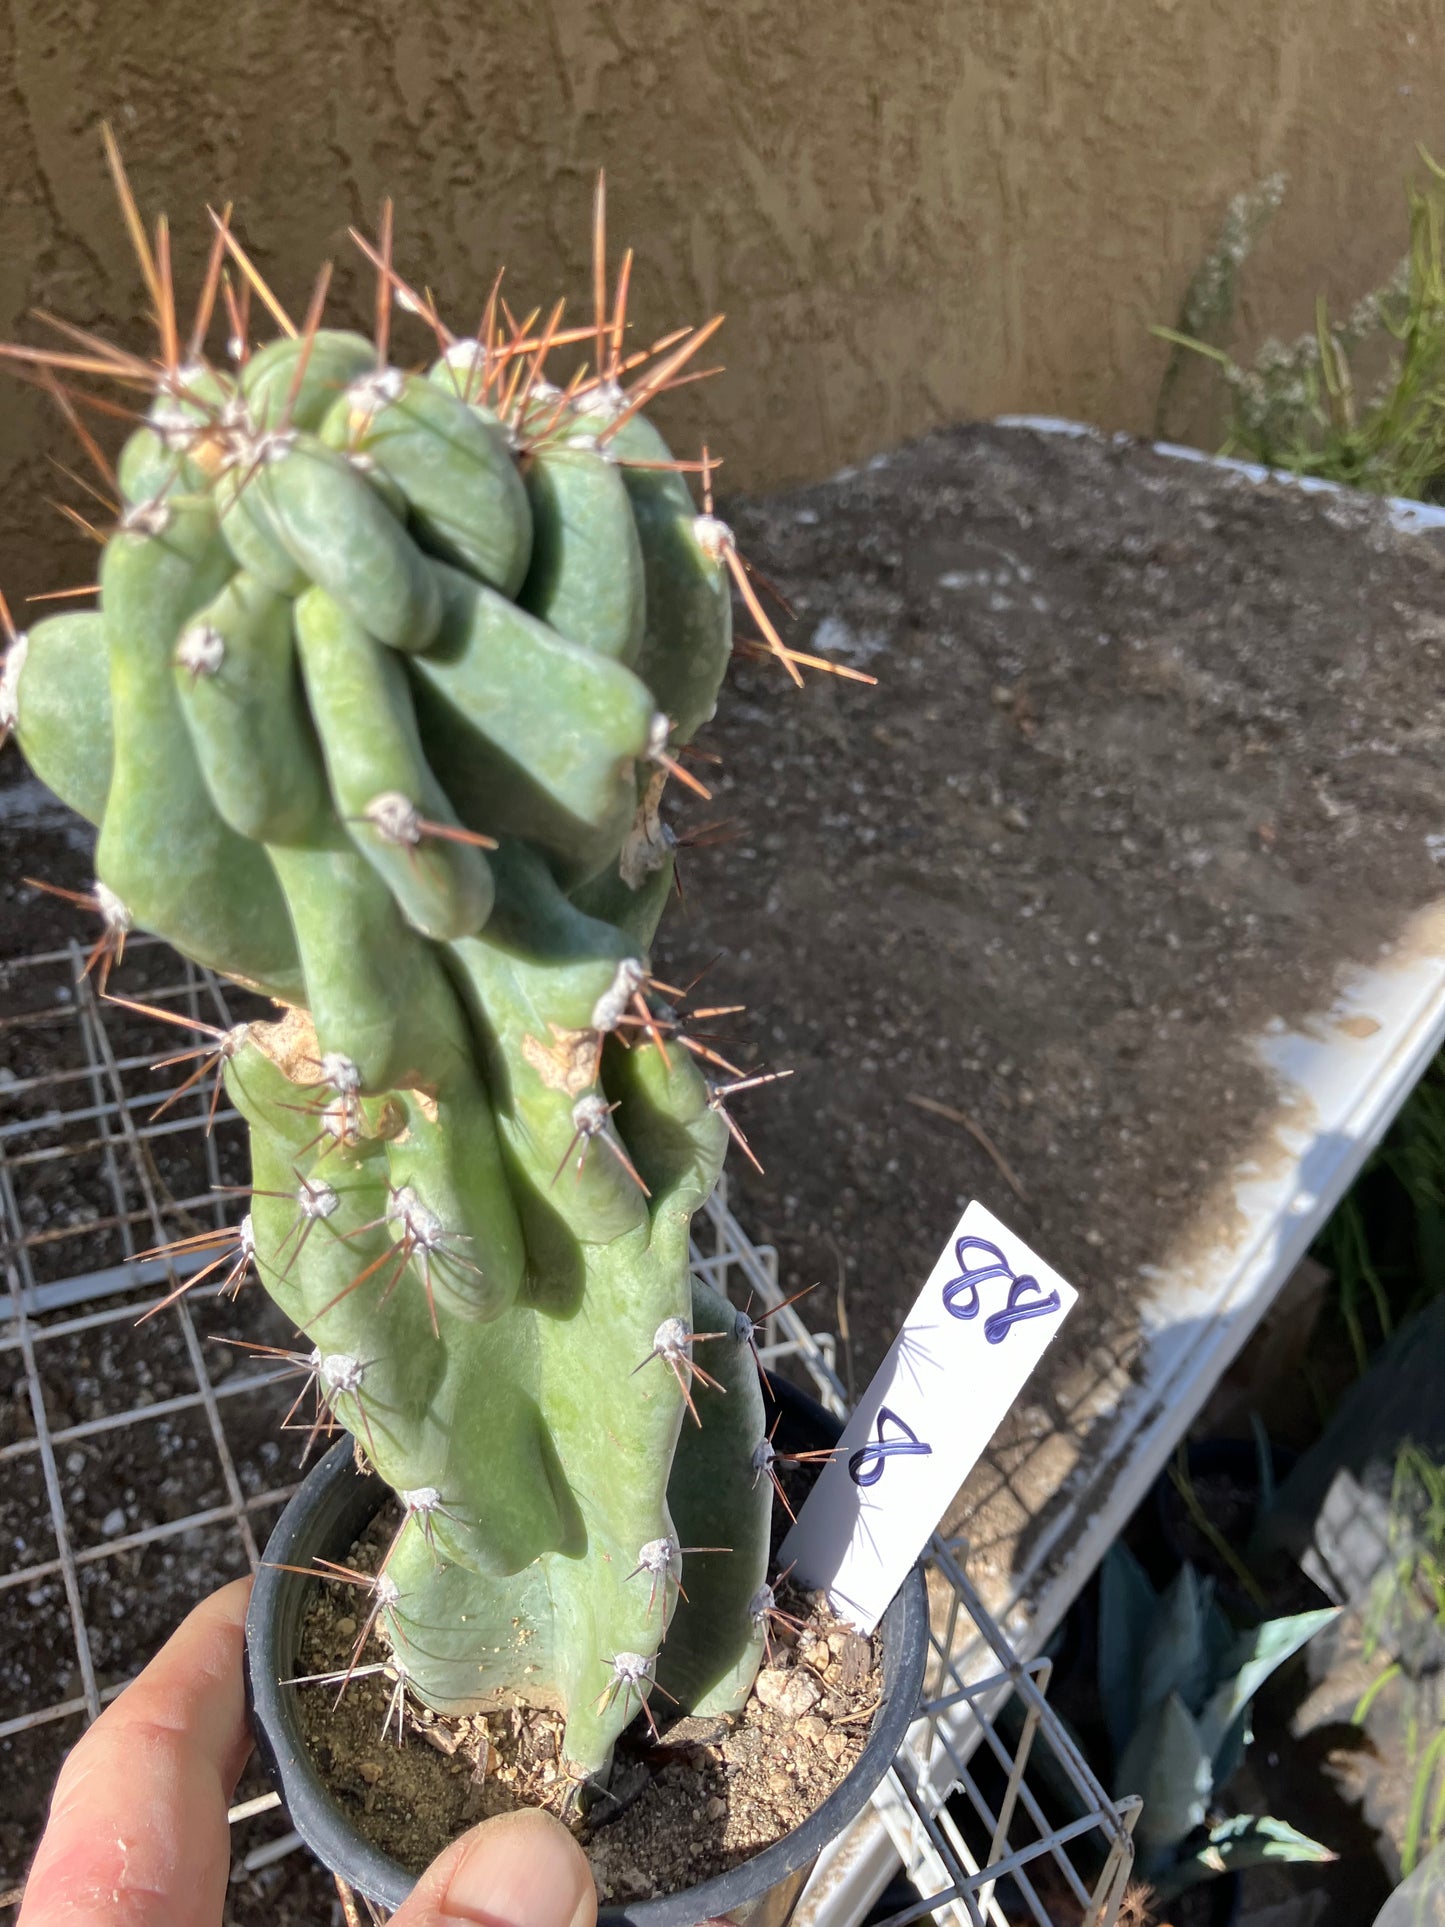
(143, 1460)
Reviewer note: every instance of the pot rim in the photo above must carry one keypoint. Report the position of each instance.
(336, 1498)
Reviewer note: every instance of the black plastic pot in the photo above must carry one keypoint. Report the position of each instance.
(1222, 1898)
(1234, 1463)
(1234, 1459)
(1228, 1900)
(334, 1505)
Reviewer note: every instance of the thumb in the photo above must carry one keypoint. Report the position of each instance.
(520, 1870)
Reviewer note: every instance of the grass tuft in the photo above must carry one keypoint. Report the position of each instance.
(1301, 405)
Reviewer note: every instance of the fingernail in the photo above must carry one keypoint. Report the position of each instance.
(522, 1870)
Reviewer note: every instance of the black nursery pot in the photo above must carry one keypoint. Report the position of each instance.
(334, 1505)
(1226, 1901)
(1233, 1460)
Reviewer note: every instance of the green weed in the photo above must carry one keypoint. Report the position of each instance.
(1406, 1616)
(1298, 405)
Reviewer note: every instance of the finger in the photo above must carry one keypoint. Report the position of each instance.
(137, 1834)
(520, 1870)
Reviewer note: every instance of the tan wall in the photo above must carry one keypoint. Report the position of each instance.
(912, 210)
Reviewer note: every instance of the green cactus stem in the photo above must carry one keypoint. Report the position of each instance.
(387, 675)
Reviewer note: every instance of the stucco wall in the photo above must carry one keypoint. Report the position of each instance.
(912, 210)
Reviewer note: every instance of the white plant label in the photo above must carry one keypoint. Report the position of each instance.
(979, 1327)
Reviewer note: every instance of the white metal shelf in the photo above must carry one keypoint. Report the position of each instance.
(64, 1279)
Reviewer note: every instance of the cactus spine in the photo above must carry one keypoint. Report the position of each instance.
(388, 669)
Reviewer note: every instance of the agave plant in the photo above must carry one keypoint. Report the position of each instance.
(392, 658)
(1176, 1681)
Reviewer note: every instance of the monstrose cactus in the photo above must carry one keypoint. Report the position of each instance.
(389, 668)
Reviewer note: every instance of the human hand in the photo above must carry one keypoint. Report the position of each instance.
(137, 1833)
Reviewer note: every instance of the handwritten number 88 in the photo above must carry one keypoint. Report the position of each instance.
(1026, 1296)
